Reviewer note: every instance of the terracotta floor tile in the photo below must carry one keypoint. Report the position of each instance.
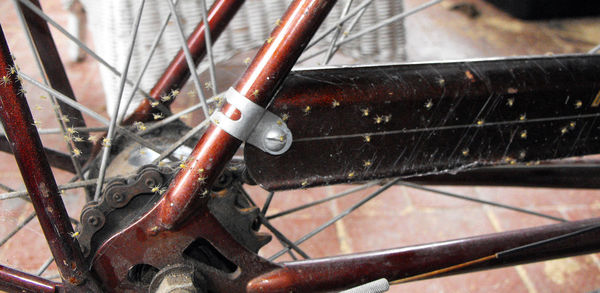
(565, 275)
(286, 200)
(29, 241)
(500, 280)
(323, 244)
(415, 227)
(426, 199)
(537, 197)
(391, 202)
(555, 275)
(505, 220)
(581, 213)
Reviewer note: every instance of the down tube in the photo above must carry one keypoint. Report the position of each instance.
(38, 178)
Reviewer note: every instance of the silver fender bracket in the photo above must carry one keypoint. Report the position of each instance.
(256, 126)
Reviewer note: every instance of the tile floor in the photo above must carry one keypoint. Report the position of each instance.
(400, 216)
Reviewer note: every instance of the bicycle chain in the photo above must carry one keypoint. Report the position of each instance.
(125, 200)
(117, 195)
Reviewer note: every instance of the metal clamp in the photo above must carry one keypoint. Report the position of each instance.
(256, 126)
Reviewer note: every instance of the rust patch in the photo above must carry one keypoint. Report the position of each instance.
(44, 190)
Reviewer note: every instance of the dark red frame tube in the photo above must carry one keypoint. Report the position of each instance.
(14, 280)
(56, 159)
(38, 178)
(266, 72)
(177, 73)
(341, 272)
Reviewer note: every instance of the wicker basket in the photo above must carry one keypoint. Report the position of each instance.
(110, 23)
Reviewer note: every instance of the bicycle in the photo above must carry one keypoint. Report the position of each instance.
(207, 260)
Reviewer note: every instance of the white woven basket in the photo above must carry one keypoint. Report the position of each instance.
(110, 22)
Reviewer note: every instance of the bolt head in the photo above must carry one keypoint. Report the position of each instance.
(275, 139)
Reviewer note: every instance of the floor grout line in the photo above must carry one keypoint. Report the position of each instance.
(340, 226)
(593, 257)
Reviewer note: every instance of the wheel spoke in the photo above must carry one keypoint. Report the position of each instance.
(138, 81)
(267, 203)
(350, 28)
(286, 242)
(92, 113)
(329, 198)
(17, 229)
(189, 59)
(44, 266)
(45, 131)
(375, 27)
(53, 277)
(78, 184)
(290, 253)
(336, 34)
(113, 120)
(176, 116)
(180, 141)
(27, 199)
(391, 20)
(6, 188)
(209, 52)
(56, 159)
(65, 99)
(338, 217)
(491, 203)
(71, 146)
(321, 36)
(81, 45)
(173, 117)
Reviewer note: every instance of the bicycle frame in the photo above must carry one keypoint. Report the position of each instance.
(181, 215)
